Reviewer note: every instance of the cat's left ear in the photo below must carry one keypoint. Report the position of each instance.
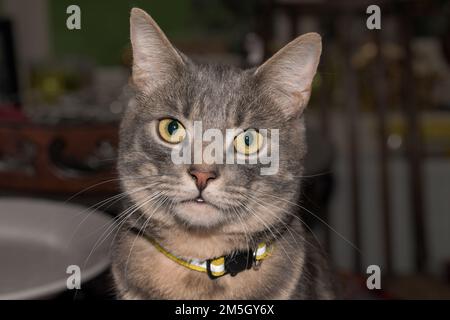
(155, 60)
(287, 76)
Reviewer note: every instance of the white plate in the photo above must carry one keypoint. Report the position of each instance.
(39, 239)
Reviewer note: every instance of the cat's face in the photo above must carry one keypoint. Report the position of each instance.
(173, 95)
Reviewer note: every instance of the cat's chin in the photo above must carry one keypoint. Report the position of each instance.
(198, 214)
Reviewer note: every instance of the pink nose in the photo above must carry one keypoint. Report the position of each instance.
(202, 177)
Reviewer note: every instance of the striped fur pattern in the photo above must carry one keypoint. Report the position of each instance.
(244, 207)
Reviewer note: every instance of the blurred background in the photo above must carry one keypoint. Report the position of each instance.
(377, 186)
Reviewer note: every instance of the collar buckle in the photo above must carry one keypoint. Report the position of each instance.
(234, 263)
(238, 262)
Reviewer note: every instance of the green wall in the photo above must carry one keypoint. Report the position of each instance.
(104, 34)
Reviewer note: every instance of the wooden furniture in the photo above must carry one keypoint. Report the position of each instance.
(61, 159)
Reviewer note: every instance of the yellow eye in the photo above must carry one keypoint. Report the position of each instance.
(171, 130)
(248, 142)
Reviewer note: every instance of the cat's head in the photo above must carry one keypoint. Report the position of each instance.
(175, 94)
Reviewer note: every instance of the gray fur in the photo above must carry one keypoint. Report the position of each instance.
(221, 97)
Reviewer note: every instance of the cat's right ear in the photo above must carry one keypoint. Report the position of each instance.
(287, 76)
(155, 60)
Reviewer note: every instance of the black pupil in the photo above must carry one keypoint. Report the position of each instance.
(248, 139)
(172, 127)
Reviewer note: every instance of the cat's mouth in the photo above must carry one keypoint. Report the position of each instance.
(199, 212)
(199, 201)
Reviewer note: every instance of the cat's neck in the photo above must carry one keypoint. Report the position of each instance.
(206, 244)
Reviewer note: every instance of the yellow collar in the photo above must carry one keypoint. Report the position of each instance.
(217, 267)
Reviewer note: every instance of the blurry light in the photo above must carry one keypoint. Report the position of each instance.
(364, 55)
(394, 141)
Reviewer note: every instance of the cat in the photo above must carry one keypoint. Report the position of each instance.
(176, 213)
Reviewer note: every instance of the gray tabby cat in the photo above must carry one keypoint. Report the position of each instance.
(204, 211)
